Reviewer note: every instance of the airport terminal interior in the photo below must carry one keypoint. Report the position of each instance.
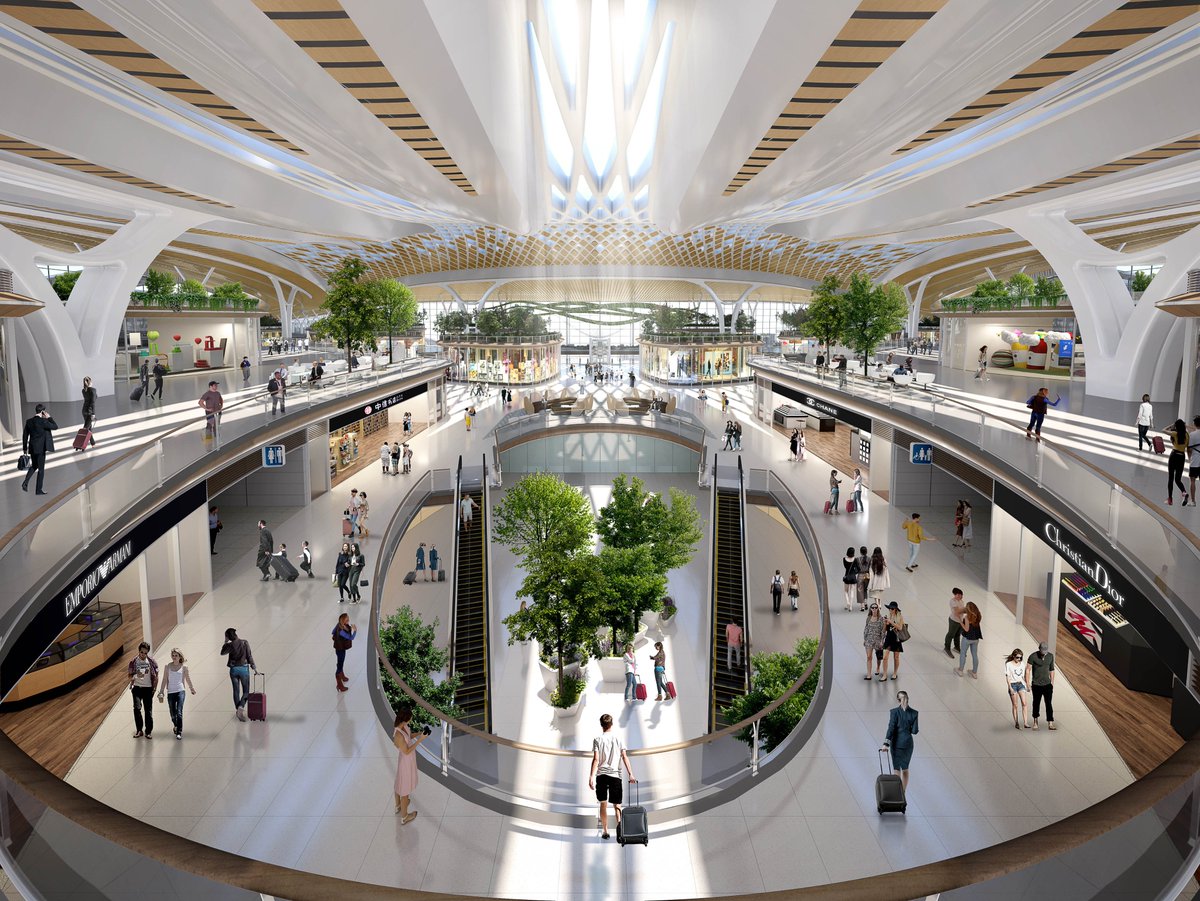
(817, 376)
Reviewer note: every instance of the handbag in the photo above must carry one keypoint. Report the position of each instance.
(903, 634)
(333, 579)
(22, 462)
(363, 583)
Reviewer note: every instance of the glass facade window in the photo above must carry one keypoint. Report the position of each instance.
(690, 364)
(504, 364)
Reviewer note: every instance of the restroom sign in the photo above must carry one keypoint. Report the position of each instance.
(921, 454)
(273, 456)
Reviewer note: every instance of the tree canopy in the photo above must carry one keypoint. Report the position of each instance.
(871, 313)
(64, 283)
(397, 308)
(544, 520)
(350, 309)
(408, 643)
(826, 316)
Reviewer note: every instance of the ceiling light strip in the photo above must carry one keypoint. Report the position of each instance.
(325, 31)
(874, 31)
(1123, 27)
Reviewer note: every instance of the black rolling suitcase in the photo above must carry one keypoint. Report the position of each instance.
(889, 791)
(283, 568)
(136, 393)
(633, 827)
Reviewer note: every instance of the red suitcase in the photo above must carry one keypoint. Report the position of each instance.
(1159, 447)
(671, 689)
(256, 703)
(850, 507)
(640, 691)
(828, 507)
(84, 436)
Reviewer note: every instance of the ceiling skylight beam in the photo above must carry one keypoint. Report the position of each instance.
(636, 21)
(562, 18)
(560, 152)
(600, 118)
(640, 151)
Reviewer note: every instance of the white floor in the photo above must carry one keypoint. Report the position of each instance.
(311, 788)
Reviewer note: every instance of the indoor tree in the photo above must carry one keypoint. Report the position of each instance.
(350, 313)
(233, 295)
(773, 674)
(542, 517)
(1140, 281)
(795, 320)
(397, 308)
(872, 312)
(1048, 290)
(826, 315)
(64, 283)
(453, 322)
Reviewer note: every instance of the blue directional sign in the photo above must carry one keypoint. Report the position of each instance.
(921, 453)
(273, 456)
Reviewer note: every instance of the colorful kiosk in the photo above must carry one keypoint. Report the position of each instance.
(503, 359)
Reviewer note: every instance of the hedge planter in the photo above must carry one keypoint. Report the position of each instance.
(612, 669)
(562, 714)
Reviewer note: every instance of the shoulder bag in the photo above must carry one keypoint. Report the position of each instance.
(902, 633)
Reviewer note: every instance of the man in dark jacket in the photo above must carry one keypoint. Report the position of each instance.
(37, 440)
(158, 372)
(266, 547)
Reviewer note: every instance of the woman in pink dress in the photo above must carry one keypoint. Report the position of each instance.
(406, 766)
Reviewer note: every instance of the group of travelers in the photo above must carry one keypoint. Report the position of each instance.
(396, 457)
(658, 660)
(733, 435)
(286, 346)
(267, 557)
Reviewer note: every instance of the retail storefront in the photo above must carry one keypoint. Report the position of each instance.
(503, 361)
(356, 437)
(685, 362)
(1030, 343)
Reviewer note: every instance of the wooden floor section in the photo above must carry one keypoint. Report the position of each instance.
(55, 731)
(368, 448)
(831, 447)
(1138, 724)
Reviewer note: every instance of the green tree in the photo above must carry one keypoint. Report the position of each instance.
(232, 294)
(993, 287)
(1141, 280)
(626, 585)
(826, 314)
(567, 596)
(543, 520)
(408, 643)
(1020, 285)
(396, 306)
(773, 675)
(634, 517)
(453, 323)
(1047, 289)
(159, 290)
(795, 320)
(351, 315)
(872, 312)
(64, 282)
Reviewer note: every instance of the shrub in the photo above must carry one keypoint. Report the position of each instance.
(409, 646)
(773, 675)
(568, 695)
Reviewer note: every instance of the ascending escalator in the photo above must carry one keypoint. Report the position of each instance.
(729, 598)
(469, 651)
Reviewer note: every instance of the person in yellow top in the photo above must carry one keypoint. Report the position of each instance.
(916, 534)
(1178, 434)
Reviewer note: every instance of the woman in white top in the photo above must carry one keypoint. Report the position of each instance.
(385, 457)
(1145, 422)
(630, 674)
(1014, 675)
(177, 676)
(856, 491)
(364, 510)
(968, 531)
(881, 575)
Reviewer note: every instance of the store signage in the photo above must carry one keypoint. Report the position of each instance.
(377, 406)
(921, 454)
(1103, 575)
(274, 456)
(823, 407)
(64, 605)
(1082, 625)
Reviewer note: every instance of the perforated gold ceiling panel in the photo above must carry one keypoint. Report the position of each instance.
(1130, 23)
(66, 22)
(607, 245)
(875, 30)
(325, 31)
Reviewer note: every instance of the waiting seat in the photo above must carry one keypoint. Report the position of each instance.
(527, 404)
(633, 392)
(671, 401)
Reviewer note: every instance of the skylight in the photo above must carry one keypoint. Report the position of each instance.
(600, 118)
(638, 16)
(560, 153)
(640, 151)
(562, 16)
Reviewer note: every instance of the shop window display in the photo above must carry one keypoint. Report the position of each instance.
(499, 364)
(696, 364)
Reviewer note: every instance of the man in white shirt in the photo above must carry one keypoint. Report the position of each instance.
(1194, 453)
(608, 755)
(1145, 421)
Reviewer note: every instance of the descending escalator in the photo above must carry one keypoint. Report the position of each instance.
(469, 646)
(729, 599)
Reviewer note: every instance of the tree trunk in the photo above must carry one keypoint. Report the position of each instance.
(560, 667)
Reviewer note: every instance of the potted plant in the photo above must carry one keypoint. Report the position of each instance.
(666, 616)
(611, 658)
(567, 700)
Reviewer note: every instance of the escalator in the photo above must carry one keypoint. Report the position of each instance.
(728, 594)
(469, 638)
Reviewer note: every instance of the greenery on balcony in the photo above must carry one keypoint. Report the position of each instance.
(680, 322)
(160, 290)
(505, 321)
(1019, 292)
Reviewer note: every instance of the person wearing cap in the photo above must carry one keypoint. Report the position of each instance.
(213, 403)
(893, 624)
(37, 440)
(1039, 675)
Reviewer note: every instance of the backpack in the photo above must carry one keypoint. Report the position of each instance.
(777, 585)
(273, 385)
(851, 575)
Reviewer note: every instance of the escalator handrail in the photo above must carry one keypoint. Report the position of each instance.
(487, 597)
(745, 578)
(714, 553)
(454, 584)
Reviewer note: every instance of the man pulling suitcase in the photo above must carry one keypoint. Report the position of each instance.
(608, 756)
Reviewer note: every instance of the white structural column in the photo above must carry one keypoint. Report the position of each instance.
(286, 295)
(913, 322)
(716, 303)
(62, 342)
(1132, 349)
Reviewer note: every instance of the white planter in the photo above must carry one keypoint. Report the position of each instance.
(550, 673)
(612, 669)
(667, 624)
(568, 713)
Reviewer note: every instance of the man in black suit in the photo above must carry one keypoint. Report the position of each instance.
(266, 547)
(37, 440)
